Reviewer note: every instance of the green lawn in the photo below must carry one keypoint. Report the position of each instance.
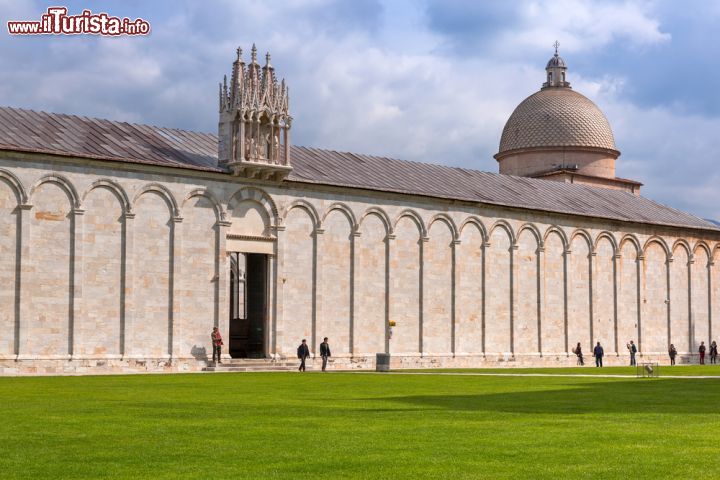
(354, 425)
(678, 370)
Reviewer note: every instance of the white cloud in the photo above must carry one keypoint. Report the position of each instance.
(582, 25)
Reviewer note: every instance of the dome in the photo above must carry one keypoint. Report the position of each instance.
(556, 117)
(556, 62)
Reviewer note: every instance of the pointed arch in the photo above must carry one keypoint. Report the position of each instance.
(220, 214)
(442, 217)
(346, 210)
(114, 187)
(413, 215)
(308, 207)
(473, 220)
(260, 196)
(715, 252)
(161, 190)
(505, 226)
(381, 214)
(16, 185)
(560, 232)
(63, 183)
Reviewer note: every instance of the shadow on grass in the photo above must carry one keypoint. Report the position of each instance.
(675, 396)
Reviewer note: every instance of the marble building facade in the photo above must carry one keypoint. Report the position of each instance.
(119, 261)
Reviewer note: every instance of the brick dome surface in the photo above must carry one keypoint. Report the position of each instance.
(556, 117)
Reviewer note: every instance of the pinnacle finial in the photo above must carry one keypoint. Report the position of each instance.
(556, 45)
(239, 53)
(267, 59)
(253, 53)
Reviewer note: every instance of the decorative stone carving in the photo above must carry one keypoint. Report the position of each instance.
(254, 118)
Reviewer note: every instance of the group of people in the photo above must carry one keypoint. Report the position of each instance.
(599, 353)
(303, 351)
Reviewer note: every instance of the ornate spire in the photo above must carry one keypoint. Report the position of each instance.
(556, 70)
(253, 54)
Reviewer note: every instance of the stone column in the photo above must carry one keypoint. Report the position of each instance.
(453, 297)
(616, 258)
(421, 285)
(241, 140)
(353, 275)
(639, 269)
(540, 259)
(76, 276)
(127, 318)
(592, 267)
(566, 256)
(513, 296)
(691, 316)
(485, 247)
(286, 160)
(175, 325)
(25, 265)
(223, 269)
(668, 305)
(278, 284)
(389, 241)
(710, 267)
(317, 286)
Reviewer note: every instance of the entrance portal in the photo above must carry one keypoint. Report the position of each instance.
(248, 304)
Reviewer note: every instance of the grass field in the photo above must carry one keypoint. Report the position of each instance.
(355, 425)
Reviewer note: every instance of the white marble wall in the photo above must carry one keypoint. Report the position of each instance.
(126, 268)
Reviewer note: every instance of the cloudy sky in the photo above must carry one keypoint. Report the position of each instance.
(425, 80)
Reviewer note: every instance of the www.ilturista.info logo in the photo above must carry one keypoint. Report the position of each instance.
(57, 22)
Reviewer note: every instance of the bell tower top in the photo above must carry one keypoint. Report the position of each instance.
(254, 126)
(556, 69)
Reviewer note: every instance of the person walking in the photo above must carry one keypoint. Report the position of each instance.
(672, 351)
(324, 352)
(217, 344)
(701, 351)
(578, 351)
(633, 350)
(713, 352)
(303, 352)
(599, 353)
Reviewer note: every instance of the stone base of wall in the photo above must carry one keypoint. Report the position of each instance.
(30, 367)
(98, 366)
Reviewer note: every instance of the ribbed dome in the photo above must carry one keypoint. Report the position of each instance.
(556, 61)
(556, 117)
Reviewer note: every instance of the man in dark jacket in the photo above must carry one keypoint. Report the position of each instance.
(324, 352)
(599, 353)
(701, 350)
(303, 352)
(633, 350)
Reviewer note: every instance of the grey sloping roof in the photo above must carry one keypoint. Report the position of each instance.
(68, 135)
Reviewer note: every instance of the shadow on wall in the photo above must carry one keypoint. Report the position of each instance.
(642, 396)
(199, 353)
